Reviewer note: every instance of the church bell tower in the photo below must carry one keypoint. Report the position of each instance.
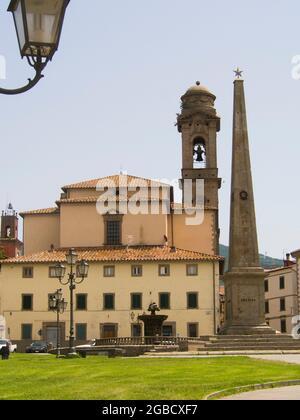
(199, 124)
(9, 241)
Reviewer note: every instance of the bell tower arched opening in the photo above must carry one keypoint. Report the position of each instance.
(199, 153)
(8, 233)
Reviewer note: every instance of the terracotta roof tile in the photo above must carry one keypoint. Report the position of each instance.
(119, 180)
(118, 254)
(51, 210)
(290, 267)
(94, 200)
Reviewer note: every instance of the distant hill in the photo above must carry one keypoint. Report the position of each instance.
(266, 262)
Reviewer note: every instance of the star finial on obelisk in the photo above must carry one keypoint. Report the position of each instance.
(238, 73)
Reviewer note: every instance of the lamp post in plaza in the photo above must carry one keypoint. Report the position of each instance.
(38, 25)
(57, 304)
(78, 272)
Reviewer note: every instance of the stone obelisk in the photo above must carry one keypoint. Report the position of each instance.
(244, 281)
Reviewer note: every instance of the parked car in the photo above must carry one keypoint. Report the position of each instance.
(12, 347)
(38, 347)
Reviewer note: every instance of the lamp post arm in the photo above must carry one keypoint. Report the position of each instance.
(39, 67)
(79, 281)
(64, 283)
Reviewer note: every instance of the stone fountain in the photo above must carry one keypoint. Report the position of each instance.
(153, 323)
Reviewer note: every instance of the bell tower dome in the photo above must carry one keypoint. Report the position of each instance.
(199, 124)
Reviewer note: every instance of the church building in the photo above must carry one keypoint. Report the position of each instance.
(142, 248)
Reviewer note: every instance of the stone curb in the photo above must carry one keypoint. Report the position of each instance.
(248, 388)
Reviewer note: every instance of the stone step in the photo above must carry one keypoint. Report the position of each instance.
(248, 343)
(246, 337)
(246, 348)
(219, 353)
(252, 343)
(246, 352)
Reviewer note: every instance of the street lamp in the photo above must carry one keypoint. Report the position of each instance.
(38, 25)
(57, 304)
(74, 277)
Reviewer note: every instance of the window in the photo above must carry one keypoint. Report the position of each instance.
(52, 273)
(113, 232)
(193, 330)
(108, 330)
(267, 308)
(283, 326)
(192, 270)
(167, 331)
(164, 300)
(282, 283)
(266, 286)
(137, 271)
(192, 300)
(27, 302)
(81, 332)
(27, 272)
(109, 302)
(109, 271)
(136, 330)
(26, 331)
(164, 270)
(282, 305)
(136, 301)
(81, 302)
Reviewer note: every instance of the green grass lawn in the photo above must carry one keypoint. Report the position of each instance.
(43, 377)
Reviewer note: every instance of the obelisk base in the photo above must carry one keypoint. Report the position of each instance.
(257, 330)
(245, 303)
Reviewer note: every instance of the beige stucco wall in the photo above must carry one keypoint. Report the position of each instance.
(82, 226)
(82, 193)
(144, 191)
(275, 294)
(198, 238)
(144, 229)
(12, 286)
(40, 232)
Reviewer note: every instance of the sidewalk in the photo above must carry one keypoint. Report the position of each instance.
(285, 358)
(291, 393)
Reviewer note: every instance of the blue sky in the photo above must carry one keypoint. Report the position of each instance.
(110, 97)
